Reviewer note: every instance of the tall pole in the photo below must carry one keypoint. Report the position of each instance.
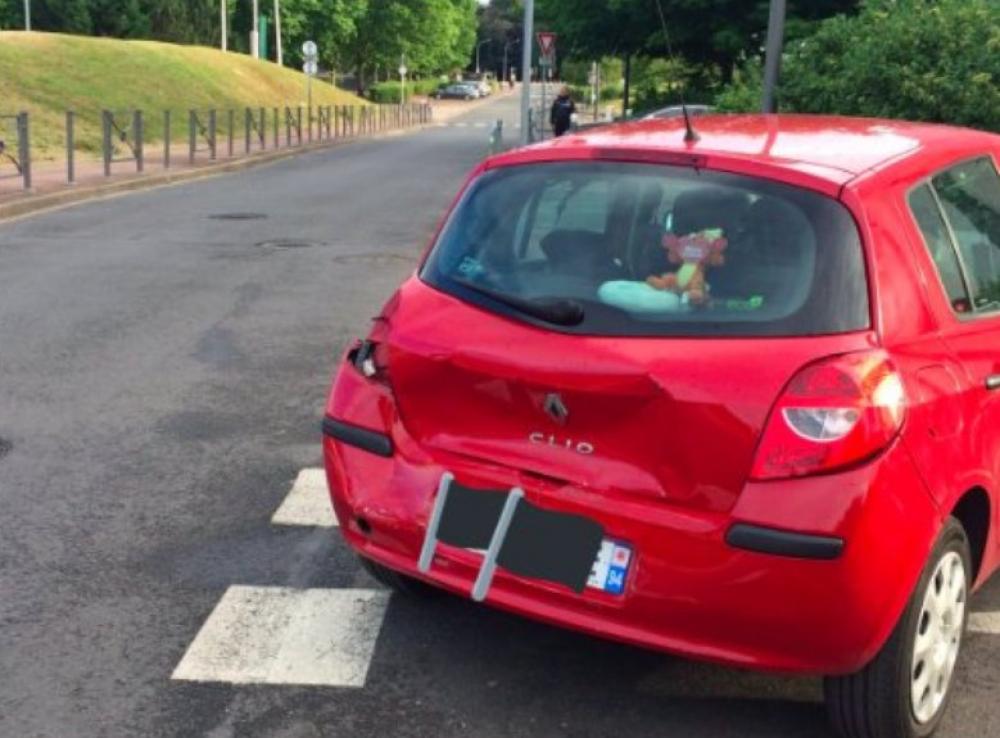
(224, 25)
(255, 32)
(478, 47)
(277, 32)
(27, 15)
(772, 64)
(526, 47)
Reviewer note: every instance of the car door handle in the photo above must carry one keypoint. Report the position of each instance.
(993, 382)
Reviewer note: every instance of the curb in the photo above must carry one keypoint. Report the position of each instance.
(34, 204)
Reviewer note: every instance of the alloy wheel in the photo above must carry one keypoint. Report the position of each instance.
(938, 638)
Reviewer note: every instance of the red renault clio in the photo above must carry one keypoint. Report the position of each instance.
(732, 395)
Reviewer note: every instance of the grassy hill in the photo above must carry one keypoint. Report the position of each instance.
(47, 74)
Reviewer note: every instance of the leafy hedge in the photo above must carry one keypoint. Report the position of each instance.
(388, 92)
(933, 60)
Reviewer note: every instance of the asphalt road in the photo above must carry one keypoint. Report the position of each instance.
(162, 377)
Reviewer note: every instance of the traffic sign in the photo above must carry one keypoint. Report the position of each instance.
(402, 70)
(310, 67)
(309, 49)
(546, 44)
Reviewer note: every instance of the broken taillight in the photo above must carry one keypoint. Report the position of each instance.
(833, 414)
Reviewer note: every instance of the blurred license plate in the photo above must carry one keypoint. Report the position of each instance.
(610, 569)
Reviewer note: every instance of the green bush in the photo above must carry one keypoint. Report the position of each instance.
(932, 60)
(609, 92)
(388, 92)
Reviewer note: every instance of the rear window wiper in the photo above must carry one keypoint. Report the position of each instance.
(555, 310)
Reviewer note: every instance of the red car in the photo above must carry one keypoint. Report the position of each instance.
(735, 398)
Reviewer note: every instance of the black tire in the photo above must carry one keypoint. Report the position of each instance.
(876, 701)
(399, 582)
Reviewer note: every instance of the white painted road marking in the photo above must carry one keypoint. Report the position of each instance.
(308, 504)
(985, 622)
(277, 635)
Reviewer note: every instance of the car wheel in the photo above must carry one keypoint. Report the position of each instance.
(904, 691)
(399, 582)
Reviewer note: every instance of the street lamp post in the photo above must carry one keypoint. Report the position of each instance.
(27, 15)
(223, 23)
(255, 32)
(478, 47)
(772, 62)
(277, 32)
(506, 47)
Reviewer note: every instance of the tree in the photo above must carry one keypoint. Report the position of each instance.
(332, 24)
(912, 59)
(707, 33)
(433, 35)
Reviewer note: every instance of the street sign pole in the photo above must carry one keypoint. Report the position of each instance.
(402, 80)
(27, 15)
(526, 47)
(546, 57)
(310, 53)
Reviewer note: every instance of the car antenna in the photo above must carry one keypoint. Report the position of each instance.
(690, 134)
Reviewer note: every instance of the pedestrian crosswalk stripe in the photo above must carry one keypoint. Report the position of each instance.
(308, 503)
(278, 635)
(985, 622)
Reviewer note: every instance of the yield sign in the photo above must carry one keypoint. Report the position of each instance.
(547, 43)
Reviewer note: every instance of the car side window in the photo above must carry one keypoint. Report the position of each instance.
(926, 212)
(970, 200)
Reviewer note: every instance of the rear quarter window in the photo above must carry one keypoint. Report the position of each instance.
(958, 212)
(646, 249)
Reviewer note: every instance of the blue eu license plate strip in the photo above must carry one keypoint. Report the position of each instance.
(610, 569)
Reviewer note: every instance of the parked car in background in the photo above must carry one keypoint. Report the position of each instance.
(482, 86)
(736, 399)
(458, 91)
(675, 111)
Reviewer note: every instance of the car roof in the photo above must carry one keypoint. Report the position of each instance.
(834, 148)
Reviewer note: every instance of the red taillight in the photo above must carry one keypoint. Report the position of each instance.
(833, 414)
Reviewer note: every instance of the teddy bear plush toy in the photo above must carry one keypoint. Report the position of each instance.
(695, 253)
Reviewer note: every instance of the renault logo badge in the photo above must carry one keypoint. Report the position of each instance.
(555, 407)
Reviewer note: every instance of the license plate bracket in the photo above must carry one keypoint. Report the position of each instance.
(516, 534)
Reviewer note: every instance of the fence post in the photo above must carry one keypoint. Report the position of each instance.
(246, 130)
(137, 137)
(166, 139)
(192, 135)
(329, 122)
(106, 141)
(24, 148)
(309, 122)
(277, 130)
(212, 128)
(230, 124)
(70, 169)
(298, 125)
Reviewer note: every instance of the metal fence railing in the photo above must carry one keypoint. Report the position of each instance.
(15, 150)
(211, 134)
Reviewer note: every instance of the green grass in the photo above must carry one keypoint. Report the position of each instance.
(47, 74)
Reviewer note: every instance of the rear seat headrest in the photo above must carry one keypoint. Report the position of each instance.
(709, 207)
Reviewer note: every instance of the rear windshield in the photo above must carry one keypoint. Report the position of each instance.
(609, 248)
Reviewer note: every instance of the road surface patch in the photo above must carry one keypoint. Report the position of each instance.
(237, 216)
(308, 502)
(278, 635)
(985, 622)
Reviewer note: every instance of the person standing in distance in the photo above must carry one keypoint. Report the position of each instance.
(563, 109)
